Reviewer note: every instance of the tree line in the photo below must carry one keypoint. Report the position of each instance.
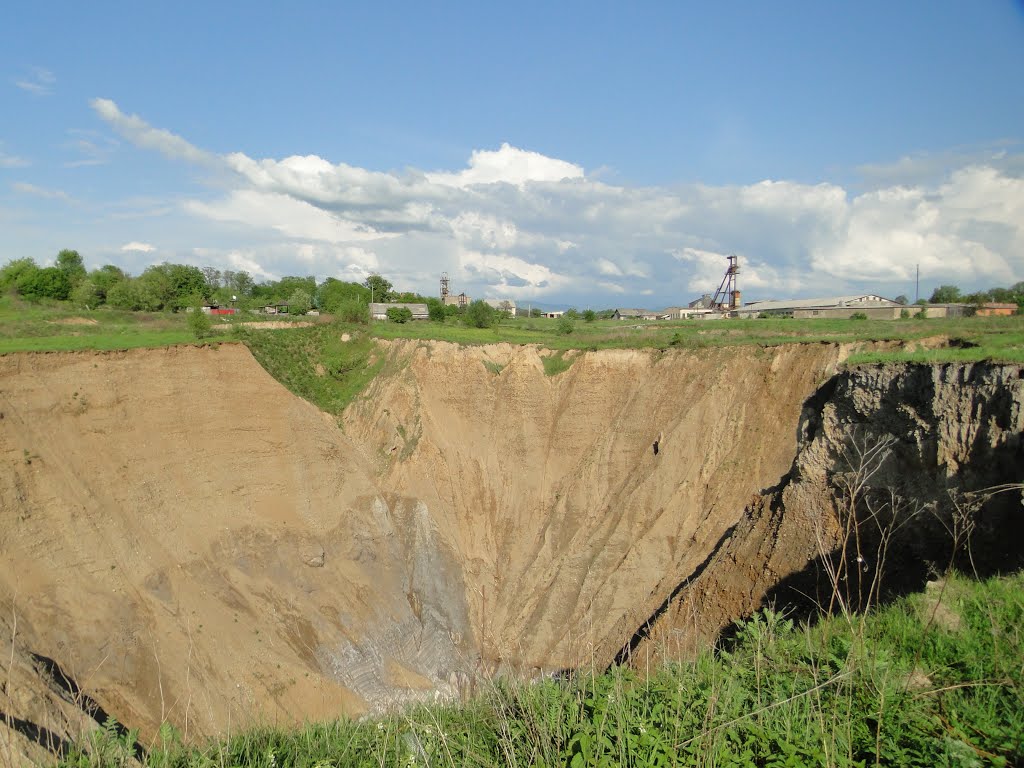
(177, 286)
(174, 287)
(951, 294)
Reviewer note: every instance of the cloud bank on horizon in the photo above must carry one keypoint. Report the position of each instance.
(519, 224)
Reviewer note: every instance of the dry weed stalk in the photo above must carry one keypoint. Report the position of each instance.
(8, 717)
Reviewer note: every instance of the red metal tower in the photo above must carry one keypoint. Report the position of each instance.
(727, 297)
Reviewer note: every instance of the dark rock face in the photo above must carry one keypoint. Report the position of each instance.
(901, 472)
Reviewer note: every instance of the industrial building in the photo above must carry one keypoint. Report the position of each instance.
(634, 314)
(450, 299)
(825, 307)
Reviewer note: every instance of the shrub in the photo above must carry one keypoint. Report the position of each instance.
(353, 311)
(199, 323)
(87, 294)
(480, 314)
(556, 363)
(566, 325)
(399, 314)
(589, 315)
(14, 270)
(436, 310)
(46, 283)
(858, 316)
(133, 294)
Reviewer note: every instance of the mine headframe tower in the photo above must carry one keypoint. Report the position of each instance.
(445, 286)
(727, 297)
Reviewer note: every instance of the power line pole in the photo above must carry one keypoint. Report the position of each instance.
(917, 285)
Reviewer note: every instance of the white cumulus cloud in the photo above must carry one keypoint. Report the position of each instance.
(517, 223)
(508, 165)
(138, 247)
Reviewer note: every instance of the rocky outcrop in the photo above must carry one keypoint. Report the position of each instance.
(936, 441)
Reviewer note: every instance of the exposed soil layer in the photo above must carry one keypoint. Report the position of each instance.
(189, 542)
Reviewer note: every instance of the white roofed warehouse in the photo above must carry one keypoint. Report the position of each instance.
(869, 304)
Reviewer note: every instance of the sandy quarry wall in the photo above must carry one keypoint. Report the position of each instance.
(570, 529)
(190, 542)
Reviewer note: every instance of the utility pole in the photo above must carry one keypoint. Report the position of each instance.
(917, 285)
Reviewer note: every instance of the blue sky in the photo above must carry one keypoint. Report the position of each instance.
(589, 153)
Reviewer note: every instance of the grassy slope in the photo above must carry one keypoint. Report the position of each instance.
(908, 685)
(315, 363)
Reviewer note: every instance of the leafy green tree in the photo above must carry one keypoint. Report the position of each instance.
(45, 283)
(902, 300)
(173, 286)
(945, 294)
(133, 294)
(572, 313)
(300, 302)
(379, 287)
(436, 310)
(289, 284)
(87, 294)
(977, 298)
(212, 275)
(566, 324)
(14, 270)
(188, 284)
(399, 314)
(534, 312)
(589, 315)
(105, 277)
(333, 293)
(408, 297)
(70, 263)
(241, 284)
(480, 314)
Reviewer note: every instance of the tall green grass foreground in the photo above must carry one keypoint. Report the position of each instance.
(895, 687)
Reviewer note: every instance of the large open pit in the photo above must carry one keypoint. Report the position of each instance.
(189, 542)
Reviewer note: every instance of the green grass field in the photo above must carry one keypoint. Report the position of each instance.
(906, 685)
(26, 326)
